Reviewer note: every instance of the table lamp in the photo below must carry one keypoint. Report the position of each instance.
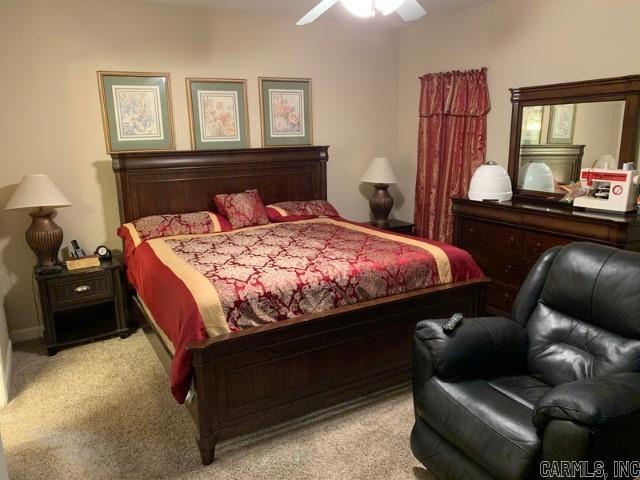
(381, 174)
(44, 236)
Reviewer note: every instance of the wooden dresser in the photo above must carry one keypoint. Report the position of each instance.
(507, 238)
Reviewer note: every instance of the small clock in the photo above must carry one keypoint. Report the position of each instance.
(103, 252)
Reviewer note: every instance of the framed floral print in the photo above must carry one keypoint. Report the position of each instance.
(218, 114)
(561, 123)
(136, 111)
(531, 125)
(285, 108)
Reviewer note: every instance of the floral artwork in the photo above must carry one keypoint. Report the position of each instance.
(287, 113)
(285, 107)
(218, 116)
(561, 124)
(136, 111)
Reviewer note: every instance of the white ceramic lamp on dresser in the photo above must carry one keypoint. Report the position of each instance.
(490, 182)
(44, 236)
(381, 174)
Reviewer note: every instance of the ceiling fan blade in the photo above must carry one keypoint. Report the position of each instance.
(316, 11)
(410, 10)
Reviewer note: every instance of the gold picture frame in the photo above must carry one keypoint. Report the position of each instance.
(562, 123)
(121, 134)
(237, 88)
(297, 86)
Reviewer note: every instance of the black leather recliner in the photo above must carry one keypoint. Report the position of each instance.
(519, 398)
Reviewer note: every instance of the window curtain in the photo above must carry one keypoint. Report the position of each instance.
(451, 145)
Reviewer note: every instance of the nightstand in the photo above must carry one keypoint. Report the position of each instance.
(82, 305)
(397, 226)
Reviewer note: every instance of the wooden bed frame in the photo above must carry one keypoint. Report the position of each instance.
(264, 375)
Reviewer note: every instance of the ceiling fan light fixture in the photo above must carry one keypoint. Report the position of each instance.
(360, 8)
(385, 7)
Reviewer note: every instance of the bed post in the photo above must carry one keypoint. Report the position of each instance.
(206, 405)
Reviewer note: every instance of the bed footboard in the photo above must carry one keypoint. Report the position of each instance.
(265, 375)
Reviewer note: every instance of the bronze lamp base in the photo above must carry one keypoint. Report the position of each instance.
(44, 237)
(381, 203)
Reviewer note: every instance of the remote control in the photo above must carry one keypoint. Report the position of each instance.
(451, 324)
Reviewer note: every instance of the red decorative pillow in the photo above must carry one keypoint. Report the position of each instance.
(242, 209)
(170, 225)
(288, 211)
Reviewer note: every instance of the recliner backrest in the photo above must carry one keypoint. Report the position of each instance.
(586, 320)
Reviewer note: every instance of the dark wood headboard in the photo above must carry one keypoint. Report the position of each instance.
(186, 181)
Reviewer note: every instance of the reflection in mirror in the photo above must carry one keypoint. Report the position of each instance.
(559, 140)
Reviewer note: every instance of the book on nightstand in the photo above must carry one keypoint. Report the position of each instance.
(83, 262)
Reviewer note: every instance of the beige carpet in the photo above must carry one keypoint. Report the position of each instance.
(103, 411)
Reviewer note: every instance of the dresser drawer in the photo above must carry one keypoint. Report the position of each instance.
(70, 291)
(499, 238)
(535, 244)
(509, 270)
(501, 296)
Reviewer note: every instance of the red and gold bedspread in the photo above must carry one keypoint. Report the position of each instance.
(204, 285)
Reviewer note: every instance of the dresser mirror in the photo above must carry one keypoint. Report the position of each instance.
(556, 130)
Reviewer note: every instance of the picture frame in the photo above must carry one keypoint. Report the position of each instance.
(532, 118)
(286, 115)
(136, 111)
(562, 123)
(218, 113)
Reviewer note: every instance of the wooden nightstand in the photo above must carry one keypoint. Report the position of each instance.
(397, 226)
(82, 306)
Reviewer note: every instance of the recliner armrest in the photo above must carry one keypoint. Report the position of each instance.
(479, 346)
(593, 402)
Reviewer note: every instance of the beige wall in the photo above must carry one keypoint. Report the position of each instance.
(51, 122)
(598, 126)
(522, 42)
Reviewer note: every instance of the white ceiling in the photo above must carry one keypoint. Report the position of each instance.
(297, 8)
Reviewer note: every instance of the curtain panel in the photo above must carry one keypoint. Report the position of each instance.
(451, 145)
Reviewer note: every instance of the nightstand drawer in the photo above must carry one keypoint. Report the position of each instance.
(88, 287)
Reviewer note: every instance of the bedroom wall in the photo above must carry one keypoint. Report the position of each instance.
(51, 120)
(522, 43)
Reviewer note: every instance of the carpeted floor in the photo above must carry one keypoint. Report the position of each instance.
(103, 411)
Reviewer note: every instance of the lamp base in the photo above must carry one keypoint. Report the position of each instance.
(381, 203)
(44, 237)
(52, 270)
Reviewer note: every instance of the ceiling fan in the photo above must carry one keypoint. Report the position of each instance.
(409, 10)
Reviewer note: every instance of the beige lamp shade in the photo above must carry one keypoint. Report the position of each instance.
(36, 191)
(379, 171)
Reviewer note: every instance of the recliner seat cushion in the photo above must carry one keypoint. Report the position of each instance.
(492, 428)
(524, 389)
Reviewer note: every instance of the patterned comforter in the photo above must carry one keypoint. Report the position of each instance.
(196, 286)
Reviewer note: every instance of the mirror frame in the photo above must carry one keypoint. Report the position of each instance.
(625, 88)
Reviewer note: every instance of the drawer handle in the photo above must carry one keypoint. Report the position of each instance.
(83, 288)
(471, 231)
(537, 247)
(506, 297)
(512, 240)
(508, 268)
